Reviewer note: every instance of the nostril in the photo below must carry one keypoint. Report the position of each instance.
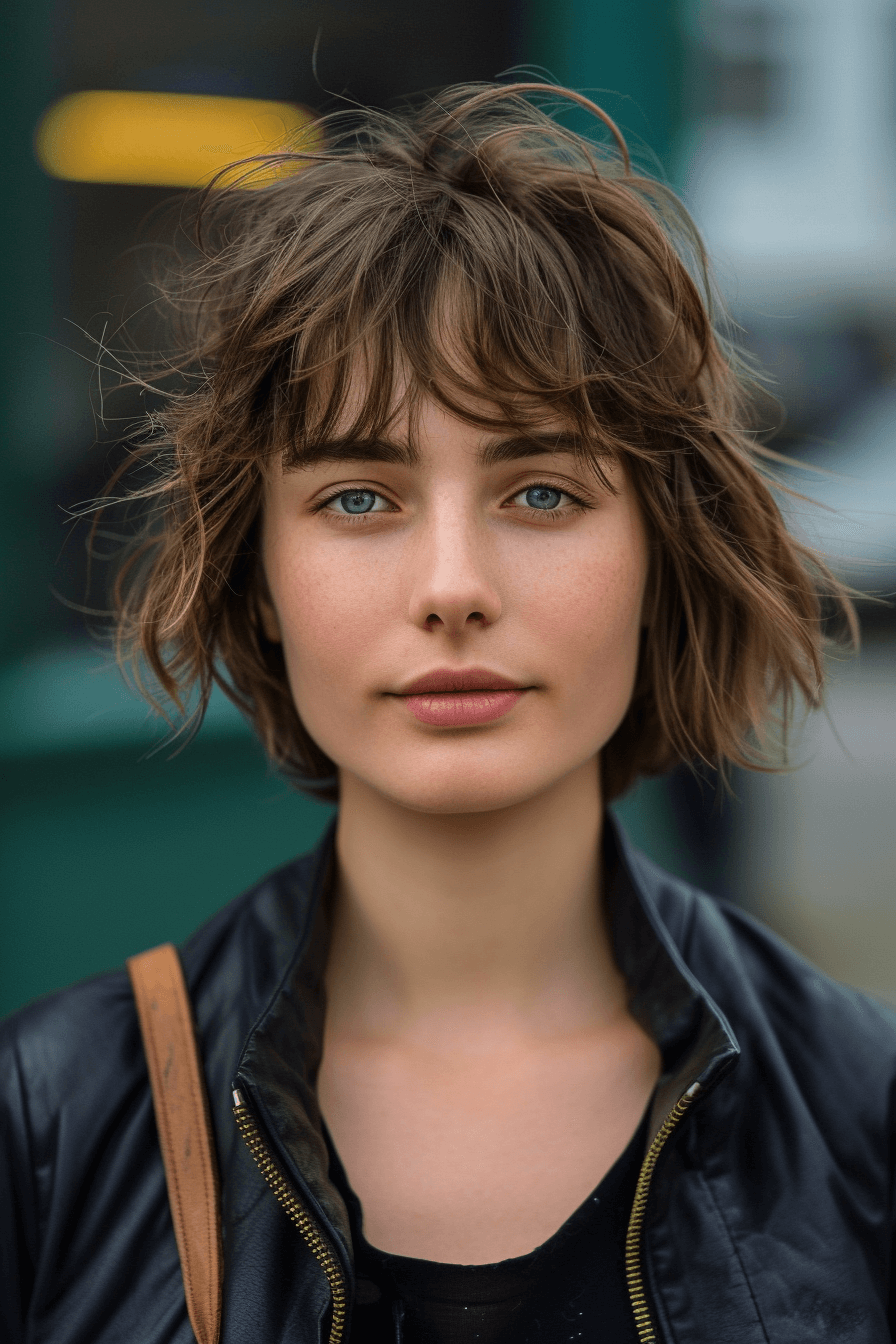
(455, 620)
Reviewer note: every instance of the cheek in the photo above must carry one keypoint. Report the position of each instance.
(329, 612)
(586, 607)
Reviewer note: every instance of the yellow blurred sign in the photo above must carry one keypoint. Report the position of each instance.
(166, 139)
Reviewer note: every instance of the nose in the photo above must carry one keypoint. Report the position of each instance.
(451, 587)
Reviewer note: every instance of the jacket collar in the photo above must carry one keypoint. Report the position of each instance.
(695, 1040)
(648, 915)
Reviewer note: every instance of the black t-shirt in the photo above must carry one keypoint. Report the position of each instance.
(570, 1288)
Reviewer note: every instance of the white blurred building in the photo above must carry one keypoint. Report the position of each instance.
(789, 166)
(791, 150)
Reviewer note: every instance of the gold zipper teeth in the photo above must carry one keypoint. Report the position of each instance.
(633, 1269)
(287, 1198)
(293, 1206)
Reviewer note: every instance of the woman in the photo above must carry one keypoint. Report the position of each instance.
(459, 505)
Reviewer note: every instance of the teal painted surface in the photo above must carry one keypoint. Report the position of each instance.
(105, 852)
(75, 699)
(627, 57)
(113, 837)
(648, 821)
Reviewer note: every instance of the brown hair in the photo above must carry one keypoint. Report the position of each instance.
(572, 282)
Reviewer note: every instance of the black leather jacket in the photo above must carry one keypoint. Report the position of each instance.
(769, 1215)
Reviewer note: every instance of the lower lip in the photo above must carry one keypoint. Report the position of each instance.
(458, 709)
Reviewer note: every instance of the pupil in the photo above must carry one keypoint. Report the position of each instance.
(542, 497)
(358, 501)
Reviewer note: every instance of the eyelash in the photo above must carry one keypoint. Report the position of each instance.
(576, 505)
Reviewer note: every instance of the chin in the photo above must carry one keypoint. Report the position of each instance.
(458, 799)
(470, 784)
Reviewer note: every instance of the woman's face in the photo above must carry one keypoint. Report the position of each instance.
(501, 583)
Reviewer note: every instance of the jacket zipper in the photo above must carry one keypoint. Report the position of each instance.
(330, 1266)
(633, 1258)
(296, 1210)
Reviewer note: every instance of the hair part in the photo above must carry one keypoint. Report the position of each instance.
(474, 251)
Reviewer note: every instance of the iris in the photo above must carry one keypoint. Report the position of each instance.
(357, 501)
(543, 497)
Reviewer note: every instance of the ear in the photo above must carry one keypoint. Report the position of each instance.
(267, 612)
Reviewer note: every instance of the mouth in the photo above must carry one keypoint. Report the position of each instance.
(458, 698)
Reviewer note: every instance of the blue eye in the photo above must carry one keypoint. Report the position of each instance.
(543, 497)
(354, 501)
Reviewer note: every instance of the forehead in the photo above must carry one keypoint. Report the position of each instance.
(382, 408)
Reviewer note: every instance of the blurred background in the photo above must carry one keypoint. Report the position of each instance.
(776, 121)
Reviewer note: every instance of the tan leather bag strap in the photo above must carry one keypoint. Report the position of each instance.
(185, 1136)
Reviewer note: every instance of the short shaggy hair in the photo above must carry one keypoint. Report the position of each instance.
(571, 283)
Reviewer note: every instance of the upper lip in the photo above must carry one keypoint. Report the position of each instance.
(460, 679)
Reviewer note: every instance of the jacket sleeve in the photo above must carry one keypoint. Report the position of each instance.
(19, 1217)
(87, 1247)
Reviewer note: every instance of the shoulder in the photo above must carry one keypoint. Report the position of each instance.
(72, 1093)
(759, 979)
(79, 1048)
(831, 1045)
(50, 1051)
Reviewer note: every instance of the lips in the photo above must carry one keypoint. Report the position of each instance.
(459, 698)
(446, 680)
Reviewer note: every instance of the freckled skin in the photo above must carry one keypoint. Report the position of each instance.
(455, 577)
(481, 1071)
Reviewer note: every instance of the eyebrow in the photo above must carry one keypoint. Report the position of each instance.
(511, 449)
(528, 445)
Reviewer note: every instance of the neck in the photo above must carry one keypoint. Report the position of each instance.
(443, 921)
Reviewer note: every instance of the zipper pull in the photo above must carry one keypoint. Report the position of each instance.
(237, 1099)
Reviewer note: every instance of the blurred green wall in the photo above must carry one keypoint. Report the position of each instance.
(104, 853)
(625, 56)
(106, 849)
